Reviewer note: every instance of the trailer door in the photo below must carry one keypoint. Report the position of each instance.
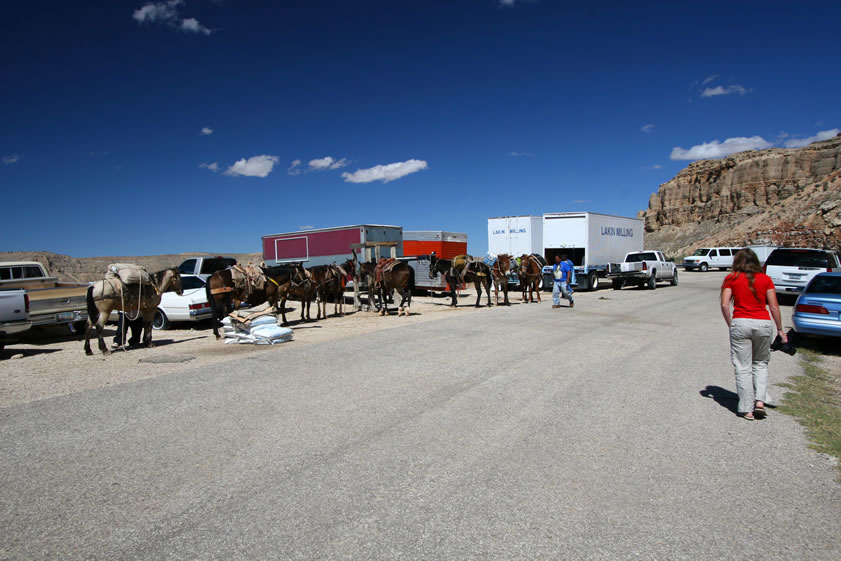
(288, 250)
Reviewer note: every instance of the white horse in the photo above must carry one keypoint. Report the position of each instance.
(110, 294)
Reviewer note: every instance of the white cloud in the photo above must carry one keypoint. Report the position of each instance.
(656, 166)
(158, 11)
(721, 90)
(293, 168)
(214, 167)
(206, 131)
(716, 149)
(709, 79)
(255, 166)
(307, 227)
(11, 159)
(520, 154)
(800, 142)
(167, 13)
(647, 128)
(327, 162)
(192, 25)
(385, 173)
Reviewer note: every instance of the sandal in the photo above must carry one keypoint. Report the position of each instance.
(759, 412)
(747, 416)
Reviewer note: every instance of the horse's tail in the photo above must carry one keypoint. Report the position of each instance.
(411, 279)
(93, 311)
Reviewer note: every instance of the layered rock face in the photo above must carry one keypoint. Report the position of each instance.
(778, 196)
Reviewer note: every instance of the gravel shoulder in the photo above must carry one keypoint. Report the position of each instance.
(49, 363)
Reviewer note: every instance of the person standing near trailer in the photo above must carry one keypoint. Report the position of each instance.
(562, 272)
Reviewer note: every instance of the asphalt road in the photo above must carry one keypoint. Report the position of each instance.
(518, 433)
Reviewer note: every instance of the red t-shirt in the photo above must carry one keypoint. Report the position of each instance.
(749, 303)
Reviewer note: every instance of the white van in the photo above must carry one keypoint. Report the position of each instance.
(709, 257)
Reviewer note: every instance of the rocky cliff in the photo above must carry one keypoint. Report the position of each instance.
(777, 196)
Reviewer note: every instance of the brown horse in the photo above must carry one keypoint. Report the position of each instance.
(474, 271)
(111, 294)
(224, 295)
(302, 287)
(398, 276)
(500, 271)
(329, 282)
(530, 274)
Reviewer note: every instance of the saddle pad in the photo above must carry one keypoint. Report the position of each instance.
(129, 273)
(490, 260)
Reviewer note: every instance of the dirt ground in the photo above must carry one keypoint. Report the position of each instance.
(50, 363)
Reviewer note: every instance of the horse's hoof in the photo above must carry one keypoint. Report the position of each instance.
(150, 346)
(88, 352)
(106, 352)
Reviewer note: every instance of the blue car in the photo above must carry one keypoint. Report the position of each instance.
(818, 309)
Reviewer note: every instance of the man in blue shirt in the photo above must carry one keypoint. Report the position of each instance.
(562, 271)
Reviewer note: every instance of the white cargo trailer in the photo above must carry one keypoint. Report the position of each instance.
(591, 240)
(515, 235)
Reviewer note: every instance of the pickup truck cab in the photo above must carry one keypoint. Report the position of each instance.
(14, 314)
(52, 302)
(203, 267)
(642, 268)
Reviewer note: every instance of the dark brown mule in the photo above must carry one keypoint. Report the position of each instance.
(478, 273)
(110, 294)
(500, 271)
(223, 295)
(302, 286)
(530, 274)
(329, 282)
(399, 276)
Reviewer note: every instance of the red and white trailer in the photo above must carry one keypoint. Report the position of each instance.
(446, 245)
(325, 246)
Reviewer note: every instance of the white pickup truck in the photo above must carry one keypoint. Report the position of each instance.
(52, 302)
(14, 314)
(203, 267)
(642, 268)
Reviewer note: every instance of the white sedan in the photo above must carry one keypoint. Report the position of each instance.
(192, 305)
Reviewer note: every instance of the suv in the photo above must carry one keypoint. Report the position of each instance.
(791, 268)
(706, 258)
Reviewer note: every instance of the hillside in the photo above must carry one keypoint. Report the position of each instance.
(775, 196)
(86, 269)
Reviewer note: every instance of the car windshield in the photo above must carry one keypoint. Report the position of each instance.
(701, 252)
(798, 258)
(825, 284)
(189, 283)
(637, 257)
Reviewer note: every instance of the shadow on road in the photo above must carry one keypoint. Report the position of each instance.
(727, 399)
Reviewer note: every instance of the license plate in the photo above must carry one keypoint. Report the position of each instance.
(65, 316)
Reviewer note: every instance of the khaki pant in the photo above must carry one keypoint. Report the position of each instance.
(750, 350)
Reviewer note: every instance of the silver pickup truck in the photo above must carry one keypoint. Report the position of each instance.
(14, 315)
(52, 302)
(642, 268)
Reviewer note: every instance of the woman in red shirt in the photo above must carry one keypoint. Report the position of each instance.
(751, 332)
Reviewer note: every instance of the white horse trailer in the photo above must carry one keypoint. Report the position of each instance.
(591, 240)
(515, 235)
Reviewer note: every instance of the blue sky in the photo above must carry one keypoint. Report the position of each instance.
(134, 127)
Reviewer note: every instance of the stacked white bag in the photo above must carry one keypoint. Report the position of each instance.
(260, 331)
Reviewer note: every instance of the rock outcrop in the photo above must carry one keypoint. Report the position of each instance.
(776, 196)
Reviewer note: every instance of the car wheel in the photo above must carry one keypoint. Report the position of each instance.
(674, 278)
(160, 321)
(703, 268)
(652, 280)
(592, 281)
(617, 284)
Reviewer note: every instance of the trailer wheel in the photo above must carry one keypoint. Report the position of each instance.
(617, 284)
(674, 278)
(703, 268)
(592, 281)
(161, 321)
(652, 280)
